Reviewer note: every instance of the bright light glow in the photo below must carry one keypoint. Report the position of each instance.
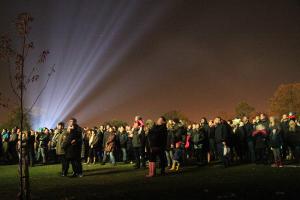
(87, 42)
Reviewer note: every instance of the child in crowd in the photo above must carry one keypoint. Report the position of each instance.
(177, 157)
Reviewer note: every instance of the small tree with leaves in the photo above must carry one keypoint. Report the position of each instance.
(244, 109)
(13, 120)
(116, 123)
(286, 99)
(21, 76)
(175, 114)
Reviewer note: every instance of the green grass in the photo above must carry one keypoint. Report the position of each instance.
(123, 182)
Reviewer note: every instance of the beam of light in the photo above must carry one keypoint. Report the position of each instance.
(88, 55)
(112, 97)
(84, 65)
(73, 69)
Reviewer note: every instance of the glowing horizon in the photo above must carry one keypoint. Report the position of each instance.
(117, 59)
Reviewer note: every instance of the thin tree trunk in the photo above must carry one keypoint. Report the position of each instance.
(23, 157)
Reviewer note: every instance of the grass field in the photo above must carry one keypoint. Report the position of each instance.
(123, 182)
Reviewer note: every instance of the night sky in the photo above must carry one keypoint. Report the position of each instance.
(116, 59)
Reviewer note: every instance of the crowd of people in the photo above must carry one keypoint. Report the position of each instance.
(165, 143)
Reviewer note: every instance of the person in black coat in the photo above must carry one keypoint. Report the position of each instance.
(212, 154)
(100, 135)
(293, 139)
(222, 141)
(264, 121)
(275, 143)
(284, 130)
(157, 141)
(31, 151)
(239, 139)
(261, 143)
(170, 143)
(249, 128)
(204, 128)
(199, 142)
(179, 139)
(105, 136)
(179, 132)
(123, 139)
(139, 142)
(72, 147)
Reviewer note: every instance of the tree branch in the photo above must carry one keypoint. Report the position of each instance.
(39, 95)
(10, 80)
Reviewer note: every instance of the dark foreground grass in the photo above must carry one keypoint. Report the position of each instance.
(122, 182)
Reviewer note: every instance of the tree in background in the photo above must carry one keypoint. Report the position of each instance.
(21, 76)
(14, 119)
(244, 109)
(285, 99)
(175, 114)
(116, 123)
